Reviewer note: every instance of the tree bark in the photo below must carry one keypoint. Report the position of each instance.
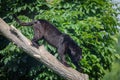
(40, 54)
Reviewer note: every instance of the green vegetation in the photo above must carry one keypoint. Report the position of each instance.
(91, 23)
(115, 71)
(114, 74)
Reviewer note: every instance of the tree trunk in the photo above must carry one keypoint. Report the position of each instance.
(40, 54)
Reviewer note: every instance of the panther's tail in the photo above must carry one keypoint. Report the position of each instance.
(23, 23)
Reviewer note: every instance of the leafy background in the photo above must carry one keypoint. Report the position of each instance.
(91, 23)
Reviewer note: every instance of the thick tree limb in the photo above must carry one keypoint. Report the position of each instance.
(40, 54)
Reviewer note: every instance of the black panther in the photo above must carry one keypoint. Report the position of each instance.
(64, 44)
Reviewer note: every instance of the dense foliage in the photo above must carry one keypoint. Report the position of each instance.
(91, 23)
(115, 71)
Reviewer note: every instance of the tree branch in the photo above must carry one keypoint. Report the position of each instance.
(40, 54)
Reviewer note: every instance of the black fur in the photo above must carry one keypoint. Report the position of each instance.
(64, 44)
